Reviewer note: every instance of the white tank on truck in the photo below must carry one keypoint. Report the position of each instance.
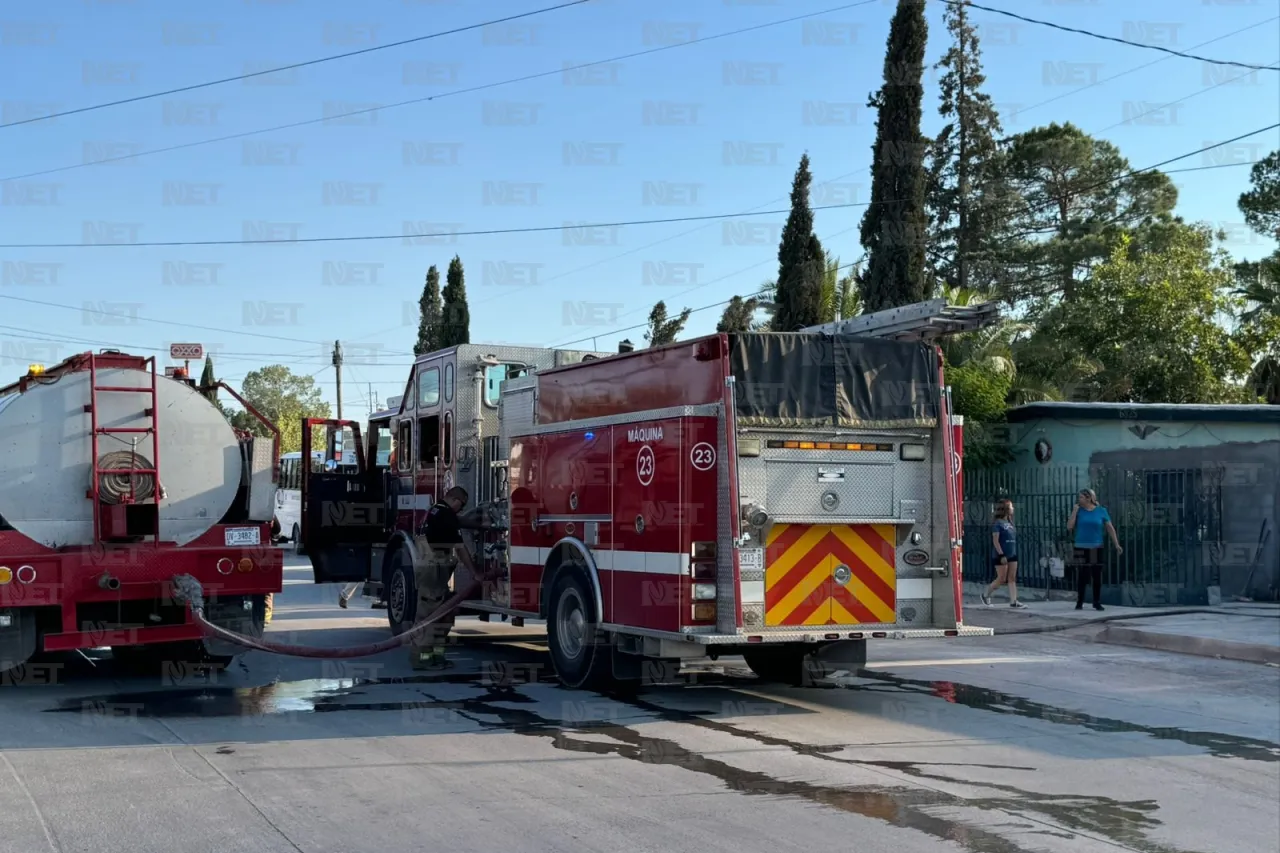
(46, 455)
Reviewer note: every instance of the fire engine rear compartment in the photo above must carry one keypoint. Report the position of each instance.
(844, 469)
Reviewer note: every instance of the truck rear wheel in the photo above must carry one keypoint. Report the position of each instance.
(401, 592)
(579, 651)
(785, 664)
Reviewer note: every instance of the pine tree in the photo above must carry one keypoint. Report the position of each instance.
(801, 261)
(455, 323)
(429, 315)
(739, 315)
(894, 227)
(966, 197)
(664, 330)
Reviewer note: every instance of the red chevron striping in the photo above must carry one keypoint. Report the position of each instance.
(856, 608)
(820, 597)
(796, 575)
(866, 574)
(785, 540)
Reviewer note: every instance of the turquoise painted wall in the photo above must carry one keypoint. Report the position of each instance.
(1075, 440)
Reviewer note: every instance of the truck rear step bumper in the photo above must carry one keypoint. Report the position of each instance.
(811, 636)
(72, 641)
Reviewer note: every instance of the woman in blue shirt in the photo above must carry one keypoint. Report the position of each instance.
(1004, 542)
(1088, 521)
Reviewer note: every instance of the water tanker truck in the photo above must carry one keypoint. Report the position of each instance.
(113, 479)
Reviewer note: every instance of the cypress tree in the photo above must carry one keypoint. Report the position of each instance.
(801, 261)
(429, 314)
(967, 198)
(455, 325)
(894, 226)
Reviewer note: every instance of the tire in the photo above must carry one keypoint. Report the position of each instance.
(785, 664)
(579, 652)
(400, 590)
(297, 541)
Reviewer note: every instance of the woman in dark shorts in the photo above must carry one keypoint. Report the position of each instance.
(1004, 542)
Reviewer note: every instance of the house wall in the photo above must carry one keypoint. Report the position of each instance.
(1244, 457)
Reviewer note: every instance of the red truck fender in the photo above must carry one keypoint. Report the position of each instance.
(568, 548)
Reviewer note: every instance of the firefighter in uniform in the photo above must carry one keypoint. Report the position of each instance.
(443, 531)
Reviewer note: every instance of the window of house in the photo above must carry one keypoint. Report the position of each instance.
(447, 440)
(428, 387)
(448, 383)
(428, 440)
(494, 376)
(404, 445)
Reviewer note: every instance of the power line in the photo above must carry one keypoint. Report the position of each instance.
(1136, 68)
(483, 233)
(295, 65)
(163, 322)
(525, 78)
(1092, 34)
(855, 263)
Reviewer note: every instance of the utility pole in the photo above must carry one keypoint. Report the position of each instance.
(373, 403)
(337, 369)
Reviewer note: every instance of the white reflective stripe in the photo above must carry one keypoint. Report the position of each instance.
(914, 588)
(752, 592)
(528, 556)
(642, 562)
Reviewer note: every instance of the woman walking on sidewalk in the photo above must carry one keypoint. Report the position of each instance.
(1005, 542)
(1088, 521)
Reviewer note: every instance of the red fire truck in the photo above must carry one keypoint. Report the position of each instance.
(114, 479)
(783, 497)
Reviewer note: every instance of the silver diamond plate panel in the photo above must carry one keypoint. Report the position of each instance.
(752, 617)
(726, 591)
(749, 577)
(915, 612)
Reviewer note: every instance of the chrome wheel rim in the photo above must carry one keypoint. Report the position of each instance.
(395, 601)
(571, 624)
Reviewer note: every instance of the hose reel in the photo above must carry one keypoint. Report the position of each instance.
(119, 488)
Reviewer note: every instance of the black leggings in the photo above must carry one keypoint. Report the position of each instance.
(1088, 569)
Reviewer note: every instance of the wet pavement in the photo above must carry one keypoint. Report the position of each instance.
(1002, 745)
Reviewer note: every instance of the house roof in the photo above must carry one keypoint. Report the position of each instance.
(1189, 413)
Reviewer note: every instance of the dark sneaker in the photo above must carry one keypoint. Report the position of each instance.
(342, 602)
(986, 599)
(1097, 607)
(1017, 605)
(1079, 607)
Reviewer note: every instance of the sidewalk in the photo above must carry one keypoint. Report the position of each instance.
(1244, 632)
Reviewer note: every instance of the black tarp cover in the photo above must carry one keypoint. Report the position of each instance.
(813, 379)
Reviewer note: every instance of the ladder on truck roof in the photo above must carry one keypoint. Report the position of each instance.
(133, 471)
(923, 321)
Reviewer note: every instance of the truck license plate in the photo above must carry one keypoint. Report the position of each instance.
(243, 536)
(751, 559)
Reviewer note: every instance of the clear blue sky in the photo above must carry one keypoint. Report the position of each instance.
(452, 162)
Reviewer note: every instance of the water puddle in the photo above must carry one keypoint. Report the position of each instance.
(967, 821)
(1215, 743)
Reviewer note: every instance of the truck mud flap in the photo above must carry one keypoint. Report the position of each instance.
(343, 519)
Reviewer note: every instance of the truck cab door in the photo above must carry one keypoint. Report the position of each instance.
(343, 511)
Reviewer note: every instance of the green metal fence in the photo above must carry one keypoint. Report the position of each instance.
(1169, 522)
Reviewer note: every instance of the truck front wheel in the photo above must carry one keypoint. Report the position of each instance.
(580, 652)
(786, 664)
(401, 592)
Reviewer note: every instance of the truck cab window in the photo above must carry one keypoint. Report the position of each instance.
(428, 387)
(495, 375)
(429, 440)
(404, 446)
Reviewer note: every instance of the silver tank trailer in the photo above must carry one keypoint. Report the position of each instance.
(46, 449)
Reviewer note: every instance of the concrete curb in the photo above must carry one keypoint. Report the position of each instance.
(1117, 635)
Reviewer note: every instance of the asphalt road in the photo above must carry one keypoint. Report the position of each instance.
(1002, 745)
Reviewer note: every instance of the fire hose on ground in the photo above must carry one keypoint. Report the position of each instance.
(187, 589)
